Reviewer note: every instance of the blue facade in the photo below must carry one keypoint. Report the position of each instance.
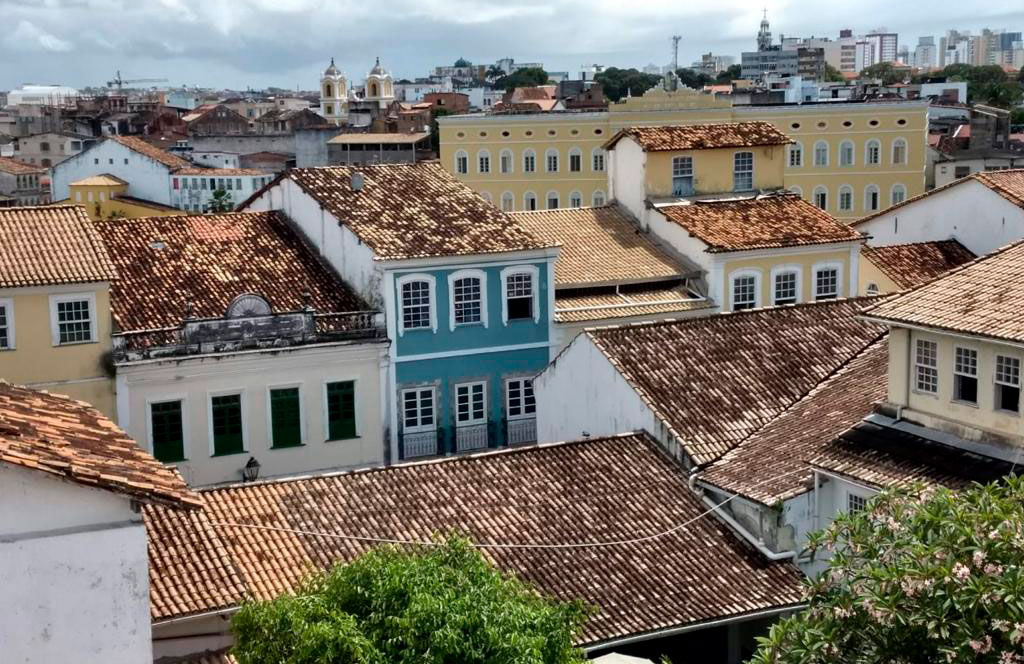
(446, 361)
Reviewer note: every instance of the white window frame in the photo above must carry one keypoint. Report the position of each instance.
(918, 366)
(788, 269)
(872, 289)
(595, 155)
(419, 428)
(822, 191)
(847, 147)
(8, 305)
(851, 495)
(461, 154)
(872, 143)
(455, 403)
(73, 297)
(848, 189)
(547, 200)
(535, 283)
(996, 382)
(738, 274)
(529, 154)
(183, 398)
(400, 305)
(575, 199)
(958, 372)
(819, 267)
(796, 149)
(796, 190)
(814, 155)
(575, 152)
(467, 274)
(682, 169)
(898, 143)
(900, 187)
(523, 415)
(598, 198)
(735, 171)
(303, 439)
(481, 155)
(867, 198)
(511, 198)
(243, 407)
(506, 158)
(536, 201)
(551, 152)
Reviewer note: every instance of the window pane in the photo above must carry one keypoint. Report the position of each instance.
(415, 305)
(785, 288)
(466, 296)
(285, 418)
(227, 424)
(1007, 383)
(73, 321)
(744, 294)
(341, 410)
(519, 293)
(826, 284)
(166, 431)
(743, 171)
(926, 361)
(5, 338)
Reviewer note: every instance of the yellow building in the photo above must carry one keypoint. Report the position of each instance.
(851, 158)
(55, 304)
(105, 197)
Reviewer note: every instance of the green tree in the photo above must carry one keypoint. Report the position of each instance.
(692, 79)
(522, 78)
(432, 605)
(832, 74)
(988, 84)
(731, 74)
(1017, 116)
(883, 71)
(494, 72)
(435, 133)
(618, 83)
(221, 202)
(919, 576)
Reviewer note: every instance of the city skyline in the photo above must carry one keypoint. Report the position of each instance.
(286, 43)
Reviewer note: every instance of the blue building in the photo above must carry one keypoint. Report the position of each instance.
(468, 296)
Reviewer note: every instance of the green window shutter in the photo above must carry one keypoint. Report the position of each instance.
(227, 424)
(341, 410)
(285, 420)
(166, 430)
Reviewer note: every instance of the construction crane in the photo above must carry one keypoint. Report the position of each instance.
(121, 82)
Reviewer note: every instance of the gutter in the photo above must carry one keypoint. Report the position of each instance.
(758, 544)
(219, 613)
(672, 631)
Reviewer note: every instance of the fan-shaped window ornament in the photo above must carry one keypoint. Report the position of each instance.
(248, 304)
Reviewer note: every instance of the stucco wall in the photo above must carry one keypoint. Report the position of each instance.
(870, 274)
(977, 217)
(713, 169)
(80, 594)
(253, 374)
(147, 178)
(800, 259)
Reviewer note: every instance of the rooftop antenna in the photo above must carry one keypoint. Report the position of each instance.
(675, 52)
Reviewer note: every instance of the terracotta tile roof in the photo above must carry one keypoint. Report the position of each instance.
(362, 139)
(979, 298)
(208, 260)
(909, 265)
(220, 172)
(222, 656)
(702, 136)
(763, 222)
(55, 244)
(103, 179)
(600, 245)
(15, 167)
(1009, 184)
(413, 211)
(789, 441)
(142, 147)
(554, 494)
(74, 441)
(884, 456)
(714, 381)
(655, 299)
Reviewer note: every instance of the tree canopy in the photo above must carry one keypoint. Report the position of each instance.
(730, 74)
(832, 74)
(987, 84)
(522, 78)
(692, 79)
(431, 605)
(883, 71)
(619, 83)
(919, 576)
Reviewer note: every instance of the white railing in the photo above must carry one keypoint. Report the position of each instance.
(420, 443)
(472, 437)
(522, 431)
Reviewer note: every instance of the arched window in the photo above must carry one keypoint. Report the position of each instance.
(898, 194)
(46, 163)
(506, 161)
(529, 161)
(575, 199)
(744, 290)
(597, 159)
(483, 161)
(682, 176)
(508, 201)
(846, 198)
(416, 293)
(821, 154)
(797, 190)
(461, 162)
(486, 195)
(575, 160)
(846, 153)
(796, 155)
(899, 151)
(827, 281)
(785, 284)
(551, 160)
(821, 197)
(328, 90)
(529, 201)
(872, 289)
(873, 152)
(467, 291)
(552, 200)
(598, 198)
(871, 201)
(373, 89)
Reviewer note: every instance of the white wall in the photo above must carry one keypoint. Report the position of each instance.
(193, 380)
(626, 164)
(74, 574)
(979, 218)
(239, 187)
(146, 178)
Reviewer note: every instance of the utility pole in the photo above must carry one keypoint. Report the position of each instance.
(674, 77)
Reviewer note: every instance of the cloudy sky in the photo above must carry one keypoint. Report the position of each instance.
(287, 43)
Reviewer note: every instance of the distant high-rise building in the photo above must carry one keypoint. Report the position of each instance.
(924, 53)
(885, 46)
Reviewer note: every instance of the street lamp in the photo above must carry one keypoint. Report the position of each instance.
(251, 470)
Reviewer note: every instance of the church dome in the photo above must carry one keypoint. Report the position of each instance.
(332, 70)
(378, 70)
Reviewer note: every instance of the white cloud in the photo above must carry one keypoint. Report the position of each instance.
(27, 35)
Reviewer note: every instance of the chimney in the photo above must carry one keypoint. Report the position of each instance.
(357, 181)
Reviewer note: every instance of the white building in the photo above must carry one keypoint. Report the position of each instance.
(983, 212)
(42, 95)
(74, 582)
(334, 95)
(236, 343)
(926, 54)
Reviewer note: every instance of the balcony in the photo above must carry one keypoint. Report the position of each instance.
(522, 431)
(419, 444)
(472, 437)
